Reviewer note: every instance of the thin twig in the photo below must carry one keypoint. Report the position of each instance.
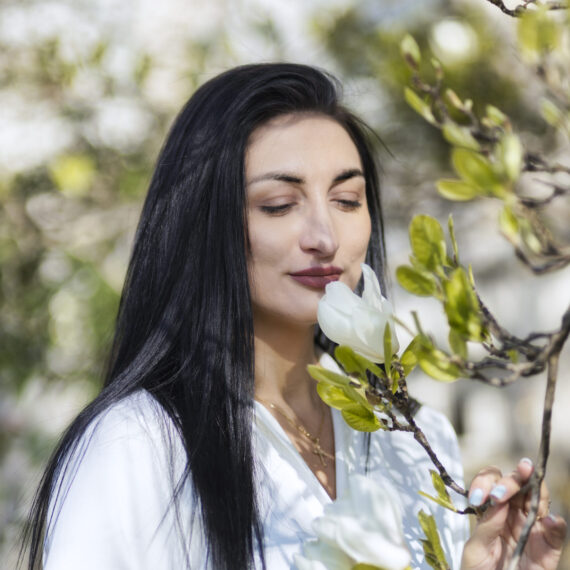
(522, 8)
(541, 268)
(540, 471)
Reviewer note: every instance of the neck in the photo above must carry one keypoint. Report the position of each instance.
(282, 355)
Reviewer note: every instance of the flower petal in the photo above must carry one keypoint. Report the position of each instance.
(372, 294)
(340, 296)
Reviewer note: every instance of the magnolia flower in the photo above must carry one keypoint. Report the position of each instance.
(362, 527)
(355, 321)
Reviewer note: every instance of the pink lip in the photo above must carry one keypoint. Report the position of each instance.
(317, 277)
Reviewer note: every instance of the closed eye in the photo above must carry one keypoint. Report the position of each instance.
(276, 210)
(349, 205)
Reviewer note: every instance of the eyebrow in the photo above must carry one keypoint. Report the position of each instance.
(292, 179)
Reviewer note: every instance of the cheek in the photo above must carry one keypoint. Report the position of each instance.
(360, 238)
(265, 253)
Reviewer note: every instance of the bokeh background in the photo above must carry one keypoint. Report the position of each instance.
(88, 89)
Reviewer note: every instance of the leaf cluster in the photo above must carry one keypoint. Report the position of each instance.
(487, 155)
(435, 273)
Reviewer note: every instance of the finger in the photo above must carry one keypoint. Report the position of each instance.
(490, 526)
(509, 485)
(482, 484)
(554, 531)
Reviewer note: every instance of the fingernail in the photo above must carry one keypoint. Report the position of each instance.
(527, 461)
(498, 492)
(476, 498)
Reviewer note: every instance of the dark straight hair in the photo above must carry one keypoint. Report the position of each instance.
(184, 330)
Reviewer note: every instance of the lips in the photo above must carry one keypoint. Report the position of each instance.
(317, 277)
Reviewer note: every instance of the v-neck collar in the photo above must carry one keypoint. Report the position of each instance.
(271, 428)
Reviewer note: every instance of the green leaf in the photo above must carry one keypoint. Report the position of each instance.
(459, 136)
(355, 363)
(410, 51)
(333, 396)
(538, 33)
(324, 375)
(511, 155)
(475, 169)
(451, 230)
(454, 99)
(416, 282)
(363, 566)
(457, 190)
(435, 556)
(496, 116)
(418, 105)
(458, 344)
(462, 306)
(360, 418)
(551, 113)
(409, 360)
(436, 363)
(443, 497)
(428, 242)
(509, 224)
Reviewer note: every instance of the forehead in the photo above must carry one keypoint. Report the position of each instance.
(301, 141)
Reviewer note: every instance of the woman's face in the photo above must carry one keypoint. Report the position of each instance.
(307, 215)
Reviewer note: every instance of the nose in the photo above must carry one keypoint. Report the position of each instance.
(318, 235)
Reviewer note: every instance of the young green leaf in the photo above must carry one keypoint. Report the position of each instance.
(323, 375)
(451, 230)
(551, 113)
(457, 344)
(416, 282)
(333, 396)
(428, 242)
(355, 363)
(511, 155)
(442, 497)
(361, 418)
(496, 116)
(435, 556)
(410, 51)
(475, 169)
(409, 360)
(509, 224)
(459, 136)
(419, 105)
(462, 306)
(436, 363)
(457, 190)
(537, 33)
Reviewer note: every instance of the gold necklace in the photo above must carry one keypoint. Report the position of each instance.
(315, 440)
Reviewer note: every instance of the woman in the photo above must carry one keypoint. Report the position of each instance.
(208, 446)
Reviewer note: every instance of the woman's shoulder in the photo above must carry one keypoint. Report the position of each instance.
(132, 439)
(136, 415)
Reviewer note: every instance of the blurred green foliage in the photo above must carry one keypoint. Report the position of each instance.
(69, 207)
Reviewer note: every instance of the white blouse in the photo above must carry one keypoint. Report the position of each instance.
(115, 510)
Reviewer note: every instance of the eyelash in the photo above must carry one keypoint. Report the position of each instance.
(347, 205)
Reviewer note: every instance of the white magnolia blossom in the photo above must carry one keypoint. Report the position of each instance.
(364, 526)
(355, 321)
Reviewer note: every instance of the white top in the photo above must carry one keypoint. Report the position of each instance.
(118, 514)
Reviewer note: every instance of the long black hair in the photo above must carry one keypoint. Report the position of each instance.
(184, 330)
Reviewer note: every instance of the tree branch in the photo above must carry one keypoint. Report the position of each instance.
(522, 8)
(540, 471)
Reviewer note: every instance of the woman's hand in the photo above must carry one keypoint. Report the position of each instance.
(495, 537)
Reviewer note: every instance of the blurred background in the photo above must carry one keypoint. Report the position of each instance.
(88, 89)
